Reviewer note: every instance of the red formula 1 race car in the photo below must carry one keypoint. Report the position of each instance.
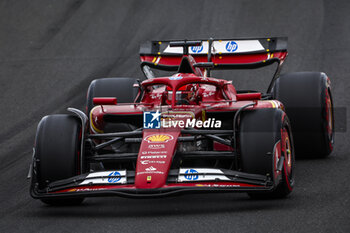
(187, 132)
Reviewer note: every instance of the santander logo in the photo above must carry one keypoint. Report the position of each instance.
(151, 168)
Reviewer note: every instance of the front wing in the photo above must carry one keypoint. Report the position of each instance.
(183, 180)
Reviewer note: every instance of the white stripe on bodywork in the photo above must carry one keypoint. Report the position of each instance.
(183, 178)
(169, 49)
(103, 178)
(215, 174)
(157, 61)
(202, 170)
(243, 46)
(218, 47)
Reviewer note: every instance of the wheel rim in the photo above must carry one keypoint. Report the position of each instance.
(287, 150)
(329, 117)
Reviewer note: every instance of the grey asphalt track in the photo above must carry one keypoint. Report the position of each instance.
(51, 50)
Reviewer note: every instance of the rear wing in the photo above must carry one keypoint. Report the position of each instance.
(246, 53)
(225, 53)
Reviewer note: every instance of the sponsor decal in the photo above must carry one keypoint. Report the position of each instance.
(208, 94)
(114, 177)
(177, 115)
(85, 189)
(191, 174)
(197, 49)
(159, 138)
(151, 120)
(153, 157)
(155, 95)
(175, 78)
(201, 174)
(105, 177)
(219, 46)
(153, 152)
(156, 146)
(231, 46)
(151, 168)
(150, 172)
(219, 185)
(146, 162)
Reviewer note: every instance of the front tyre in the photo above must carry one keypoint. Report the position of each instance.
(266, 148)
(57, 154)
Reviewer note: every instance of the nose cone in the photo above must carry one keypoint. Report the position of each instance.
(155, 157)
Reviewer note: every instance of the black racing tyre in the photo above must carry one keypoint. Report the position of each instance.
(57, 153)
(121, 88)
(308, 103)
(264, 138)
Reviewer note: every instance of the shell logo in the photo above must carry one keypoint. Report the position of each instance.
(159, 138)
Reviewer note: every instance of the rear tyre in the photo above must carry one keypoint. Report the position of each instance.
(307, 99)
(121, 88)
(264, 138)
(57, 153)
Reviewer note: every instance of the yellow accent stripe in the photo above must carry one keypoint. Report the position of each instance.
(273, 104)
(154, 59)
(92, 123)
(203, 115)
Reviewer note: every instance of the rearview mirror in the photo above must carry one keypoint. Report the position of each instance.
(104, 101)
